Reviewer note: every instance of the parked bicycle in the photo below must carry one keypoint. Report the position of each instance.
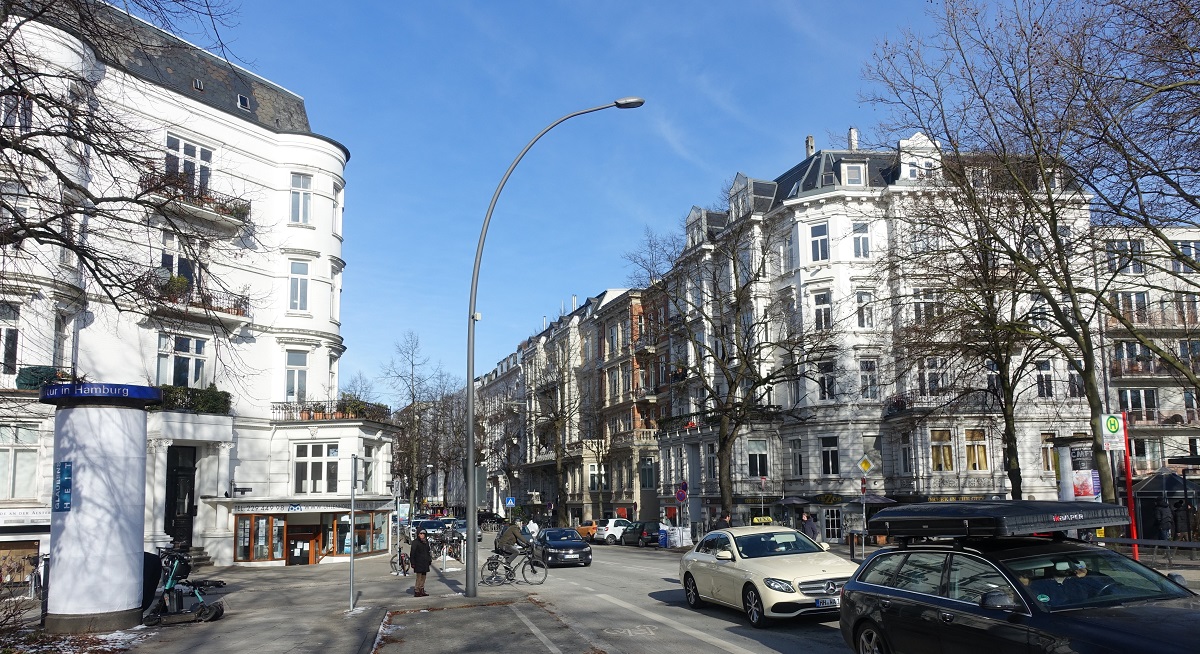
(497, 570)
(400, 562)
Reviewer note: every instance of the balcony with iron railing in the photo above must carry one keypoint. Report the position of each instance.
(951, 399)
(1167, 417)
(184, 192)
(1168, 317)
(189, 298)
(321, 410)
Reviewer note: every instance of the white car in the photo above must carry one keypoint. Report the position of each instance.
(609, 530)
(768, 572)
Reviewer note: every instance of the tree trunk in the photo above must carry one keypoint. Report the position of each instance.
(725, 442)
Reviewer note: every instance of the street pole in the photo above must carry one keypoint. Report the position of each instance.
(472, 316)
(353, 486)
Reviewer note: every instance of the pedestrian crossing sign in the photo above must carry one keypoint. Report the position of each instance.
(510, 502)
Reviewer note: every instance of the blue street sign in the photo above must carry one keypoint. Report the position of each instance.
(510, 502)
(61, 496)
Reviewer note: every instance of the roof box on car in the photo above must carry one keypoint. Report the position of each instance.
(995, 518)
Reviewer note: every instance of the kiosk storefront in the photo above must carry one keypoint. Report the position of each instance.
(304, 534)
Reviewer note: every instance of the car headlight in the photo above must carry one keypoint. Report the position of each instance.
(779, 585)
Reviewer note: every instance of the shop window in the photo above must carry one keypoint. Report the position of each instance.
(260, 538)
(370, 532)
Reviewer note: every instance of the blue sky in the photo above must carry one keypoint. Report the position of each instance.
(434, 100)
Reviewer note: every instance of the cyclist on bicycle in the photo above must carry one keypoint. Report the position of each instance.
(506, 542)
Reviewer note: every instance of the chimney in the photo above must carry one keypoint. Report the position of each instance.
(852, 138)
(574, 302)
(809, 146)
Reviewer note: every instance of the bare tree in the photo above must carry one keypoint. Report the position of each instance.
(89, 183)
(555, 406)
(972, 326)
(410, 374)
(733, 337)
(991, 86)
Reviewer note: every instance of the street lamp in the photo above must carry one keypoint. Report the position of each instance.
(472, 316)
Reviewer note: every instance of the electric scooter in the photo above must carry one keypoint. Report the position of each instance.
(178, 590)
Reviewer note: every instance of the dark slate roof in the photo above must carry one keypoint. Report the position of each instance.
(822, 171)
(162, 58)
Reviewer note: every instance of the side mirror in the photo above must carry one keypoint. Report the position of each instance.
(824, 546)
(724, 555)
(999, 600)
(1177, 578)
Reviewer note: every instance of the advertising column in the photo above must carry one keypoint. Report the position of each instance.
(98, 501)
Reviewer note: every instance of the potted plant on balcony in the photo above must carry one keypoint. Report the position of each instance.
(352, 405)
(318, 410)
(175, 288)
(306, 412)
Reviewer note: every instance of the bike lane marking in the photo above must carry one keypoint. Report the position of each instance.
(694, 633)
(536, 632)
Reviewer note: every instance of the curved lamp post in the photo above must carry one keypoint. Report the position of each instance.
(472, 316)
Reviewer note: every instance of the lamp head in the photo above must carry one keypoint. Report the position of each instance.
(629, 103)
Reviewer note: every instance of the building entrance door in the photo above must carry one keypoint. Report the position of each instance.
(303, 549)
(181, 494)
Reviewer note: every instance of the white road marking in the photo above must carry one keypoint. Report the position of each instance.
(590, 590)
(694, 633)
(536, 632)
(625, 566)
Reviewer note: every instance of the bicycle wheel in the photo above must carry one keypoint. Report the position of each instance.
(395, 562)
(405, 564)
(492, 573)
(534, 571)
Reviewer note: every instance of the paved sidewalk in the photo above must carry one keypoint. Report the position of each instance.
(272, 610)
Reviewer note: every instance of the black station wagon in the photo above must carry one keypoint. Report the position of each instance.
(990, 585)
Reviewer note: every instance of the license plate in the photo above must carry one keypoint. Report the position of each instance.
(835, 601)
(570, 556)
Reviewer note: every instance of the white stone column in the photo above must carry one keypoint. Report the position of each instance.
(156, 493)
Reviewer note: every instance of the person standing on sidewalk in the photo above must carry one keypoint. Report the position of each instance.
(809, 528)
(421, 560)
(725, 522)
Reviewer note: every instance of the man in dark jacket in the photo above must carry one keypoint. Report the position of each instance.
(506, 542)
(421, 560)
(809, 527)
(1164, 520)
(1164, 524)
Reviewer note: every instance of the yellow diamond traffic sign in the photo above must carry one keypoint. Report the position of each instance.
(865, 464)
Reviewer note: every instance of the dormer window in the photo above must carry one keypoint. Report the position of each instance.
(853, 175)
(243, 102)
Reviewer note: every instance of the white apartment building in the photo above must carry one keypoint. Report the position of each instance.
(250, 457)
(839, 213)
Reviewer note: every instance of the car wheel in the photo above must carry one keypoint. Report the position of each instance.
(870, 640)
(753, 605)
(691, 592)
(611, 540)
(641, 543)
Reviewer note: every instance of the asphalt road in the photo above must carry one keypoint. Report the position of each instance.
(630, 600)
